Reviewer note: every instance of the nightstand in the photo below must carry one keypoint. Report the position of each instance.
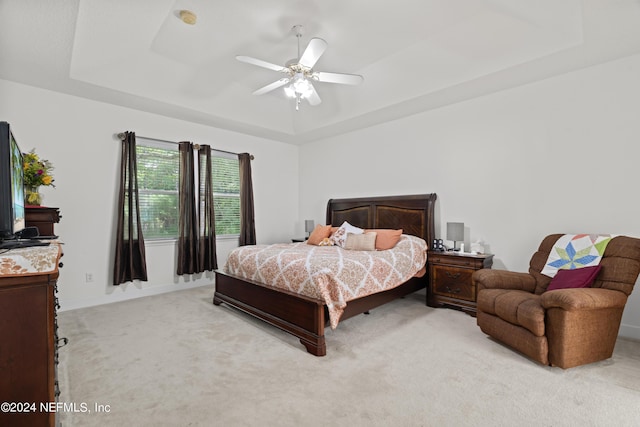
(450, 279)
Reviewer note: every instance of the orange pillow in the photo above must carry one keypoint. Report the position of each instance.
(319, 233)
(386, 239)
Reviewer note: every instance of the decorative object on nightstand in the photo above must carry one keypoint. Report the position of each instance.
(455, 232)
(477, 247)
(450, 281)
(438, 245)
(308, 226)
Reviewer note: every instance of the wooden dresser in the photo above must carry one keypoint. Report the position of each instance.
(42, 217)
(450, 281)
(28, 335)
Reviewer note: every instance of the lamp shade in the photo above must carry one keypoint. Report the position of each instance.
(455, 231)
(308, 225)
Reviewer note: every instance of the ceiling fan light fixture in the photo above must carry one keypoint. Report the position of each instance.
(299, 87)
(290, 91)
(300, 73)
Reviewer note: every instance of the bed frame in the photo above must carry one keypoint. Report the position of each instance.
(306, 317)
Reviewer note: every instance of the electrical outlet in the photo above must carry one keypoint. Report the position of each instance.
(88, 277)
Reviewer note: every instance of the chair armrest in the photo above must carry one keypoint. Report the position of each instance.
(503, 279)
(583, 299)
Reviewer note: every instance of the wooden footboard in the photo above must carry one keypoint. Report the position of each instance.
(301, 316)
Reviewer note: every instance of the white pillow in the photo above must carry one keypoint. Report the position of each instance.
(339, 238)
(351, 228)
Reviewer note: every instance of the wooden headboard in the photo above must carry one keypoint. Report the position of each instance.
(414, 213)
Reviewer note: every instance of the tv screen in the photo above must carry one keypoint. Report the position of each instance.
(12, 213)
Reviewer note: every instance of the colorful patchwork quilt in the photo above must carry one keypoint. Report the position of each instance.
(573, 251)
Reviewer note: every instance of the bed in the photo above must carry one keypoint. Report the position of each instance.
(306, 317)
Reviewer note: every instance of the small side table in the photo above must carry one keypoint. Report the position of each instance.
(450, 281)
(42, 217)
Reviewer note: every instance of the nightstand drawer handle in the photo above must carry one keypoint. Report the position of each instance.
(452, 275)
(453, 291)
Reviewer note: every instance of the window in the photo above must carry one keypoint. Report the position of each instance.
(158, 178)
(158, 175)
(226, 193)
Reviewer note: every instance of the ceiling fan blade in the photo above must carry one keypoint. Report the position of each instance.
(271, 86)
(261, 63)
(313, 52)
(314, 98)
(345, 79)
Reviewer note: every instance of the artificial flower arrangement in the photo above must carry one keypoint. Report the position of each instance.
(37, 172)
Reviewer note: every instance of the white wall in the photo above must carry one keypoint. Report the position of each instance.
(77, 136)
(556, 156)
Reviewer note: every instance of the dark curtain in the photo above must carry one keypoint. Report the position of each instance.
(207, 259)
(247, 216)
(130, 261)
(188, 220)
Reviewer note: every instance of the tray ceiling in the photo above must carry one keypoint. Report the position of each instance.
(414, 55)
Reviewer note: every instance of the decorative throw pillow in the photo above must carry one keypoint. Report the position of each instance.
(361, 242)
(325, 242)
(318, 234)
(575, 278)
(339, 238)
(386, 238)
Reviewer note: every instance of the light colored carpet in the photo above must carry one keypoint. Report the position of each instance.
(177, 360)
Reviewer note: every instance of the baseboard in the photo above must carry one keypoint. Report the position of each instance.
(131, 293)
(630, 331)
(626, 331)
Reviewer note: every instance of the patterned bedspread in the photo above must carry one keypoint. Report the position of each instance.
(329, 273)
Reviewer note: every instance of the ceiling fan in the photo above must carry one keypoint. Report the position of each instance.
(300, 72)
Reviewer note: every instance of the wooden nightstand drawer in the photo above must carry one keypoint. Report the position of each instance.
(450, 281)
(453, 282)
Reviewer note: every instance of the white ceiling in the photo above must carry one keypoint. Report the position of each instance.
(414, 54)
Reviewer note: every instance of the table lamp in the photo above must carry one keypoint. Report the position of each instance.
(308, 226)
(455, 232)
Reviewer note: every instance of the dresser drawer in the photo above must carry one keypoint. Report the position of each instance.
(457, 261)
(453, 282)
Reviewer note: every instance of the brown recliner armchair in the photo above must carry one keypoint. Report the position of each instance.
(566, 327)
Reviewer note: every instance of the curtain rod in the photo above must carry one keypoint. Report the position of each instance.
(122, 135)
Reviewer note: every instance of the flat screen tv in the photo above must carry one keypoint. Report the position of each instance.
(12, 213)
